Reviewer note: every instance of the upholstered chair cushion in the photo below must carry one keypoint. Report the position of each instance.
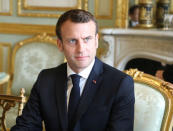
(11, 117)
(30, 59)
(149, 108)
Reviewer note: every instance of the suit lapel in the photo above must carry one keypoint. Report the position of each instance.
(61, 89)
(90, 89)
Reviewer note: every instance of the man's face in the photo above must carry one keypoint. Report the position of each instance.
(135, 16)
(79, 44)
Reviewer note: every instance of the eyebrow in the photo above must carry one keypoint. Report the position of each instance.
(90, 36)
(69, 38)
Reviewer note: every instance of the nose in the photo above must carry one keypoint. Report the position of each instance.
(80, 46)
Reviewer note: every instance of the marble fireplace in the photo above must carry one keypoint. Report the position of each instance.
(124, 45)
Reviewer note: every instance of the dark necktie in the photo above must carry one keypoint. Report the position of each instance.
(74, 97)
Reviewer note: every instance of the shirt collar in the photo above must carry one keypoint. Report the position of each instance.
(84, 73)
(134, 23)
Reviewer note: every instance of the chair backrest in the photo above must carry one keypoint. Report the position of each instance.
(153, 102)
(29, 57)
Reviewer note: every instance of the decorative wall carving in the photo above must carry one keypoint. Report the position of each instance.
(108, 57)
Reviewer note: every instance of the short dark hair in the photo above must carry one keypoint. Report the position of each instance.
(132, 9)
(76, 16)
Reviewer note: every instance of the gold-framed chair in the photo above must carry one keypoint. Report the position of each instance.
(6, 103)
(153, 102)
(29, 57)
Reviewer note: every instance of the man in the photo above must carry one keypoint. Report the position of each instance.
(106, 96)
(152, 67)
(146, 65)
(134, 16)
(166, 73)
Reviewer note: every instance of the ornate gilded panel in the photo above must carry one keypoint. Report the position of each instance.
(103, 9)
(122, 13)
(44, 8)
(6, 7)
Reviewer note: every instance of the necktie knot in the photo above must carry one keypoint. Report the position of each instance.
(75, 79)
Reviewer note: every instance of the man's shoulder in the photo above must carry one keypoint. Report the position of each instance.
(54, 70)
(114, 78)
(107, 69)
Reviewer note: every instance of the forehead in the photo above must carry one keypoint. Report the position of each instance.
(136, 10)
(73, 28)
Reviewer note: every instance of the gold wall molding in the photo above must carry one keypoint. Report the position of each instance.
(136, 2)
(5, 47)
(36, 11)
(10, 12)
(122, 7)
(86, 5)
(98, 16)
(171, 6)
(27, 29)
(145, 1)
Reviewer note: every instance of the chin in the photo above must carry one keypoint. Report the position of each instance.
(82, 66)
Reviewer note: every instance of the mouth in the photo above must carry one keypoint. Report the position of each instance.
(81, 58)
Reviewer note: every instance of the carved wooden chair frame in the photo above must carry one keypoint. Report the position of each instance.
(166, 90)
(7, 102)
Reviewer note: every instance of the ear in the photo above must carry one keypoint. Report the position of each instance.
(97, 40)
(59, 44)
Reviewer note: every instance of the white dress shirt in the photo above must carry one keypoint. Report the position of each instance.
(84, 76)
(134, 23)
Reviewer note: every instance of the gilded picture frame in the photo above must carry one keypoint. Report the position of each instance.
(6, 7)
(171, 6)
(51, 5)
(27, 8)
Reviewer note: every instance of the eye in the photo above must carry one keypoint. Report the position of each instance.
(87, 39)
(72, 41)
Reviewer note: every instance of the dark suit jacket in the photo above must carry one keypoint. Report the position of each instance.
(168, 73)
(105, 105)
(146, 65)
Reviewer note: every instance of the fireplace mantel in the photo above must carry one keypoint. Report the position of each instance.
(127, 44)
